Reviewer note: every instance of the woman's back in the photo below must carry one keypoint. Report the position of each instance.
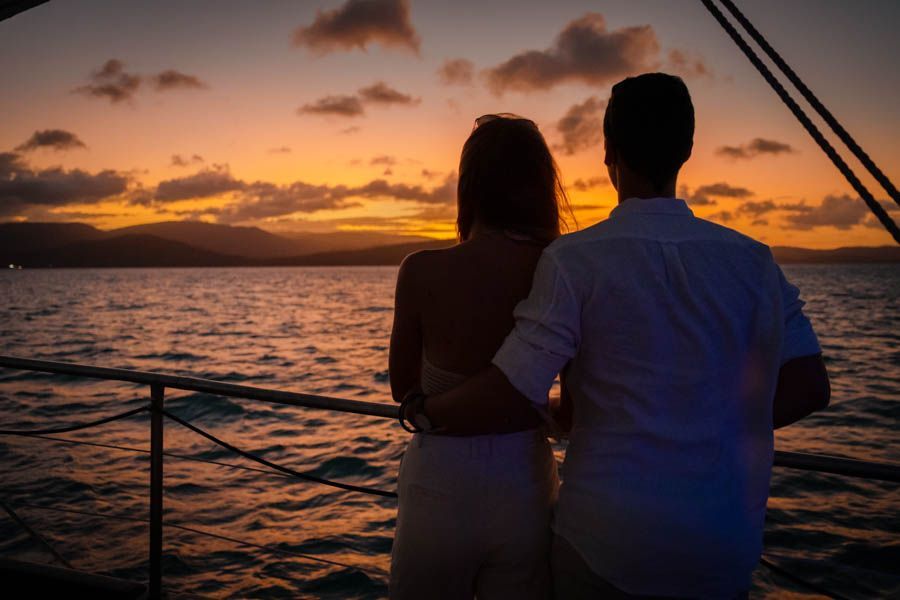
(466, 295)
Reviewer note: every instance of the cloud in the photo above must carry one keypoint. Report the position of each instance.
(414, 223)
(264, 200)
(141, 196)
(381, 93)
(590, 206)
(380, 188)
(358, 23)
(723, 216)
(582, 126)
(23, 189)
(55, 139)
(705, 194)
(583, 185)
(801, 206)
(385, 160)
(350, 130)
(77, 215)
(249, 201)
(889, 206)
(686, 65)
(203, 184)
(342, 106)
(185, 161)
(10, 164)
(439, 219)
(757, 208)
(280, 150)
(176, 80)
(584, 51)
(840, 212)
(754, 148)
(445, 212)
(457, 71)
(111, 82)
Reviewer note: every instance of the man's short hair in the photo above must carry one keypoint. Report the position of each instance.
(649, 122)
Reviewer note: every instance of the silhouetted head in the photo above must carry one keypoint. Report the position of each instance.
(649, 127)
(508, 180)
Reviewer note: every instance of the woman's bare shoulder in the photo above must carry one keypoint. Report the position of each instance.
(446, 265)
(428, 259)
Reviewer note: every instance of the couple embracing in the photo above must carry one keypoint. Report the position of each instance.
(680, 347)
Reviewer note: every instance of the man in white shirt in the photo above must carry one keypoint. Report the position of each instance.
(685, 348)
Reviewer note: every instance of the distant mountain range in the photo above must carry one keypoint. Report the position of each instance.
(196, 244)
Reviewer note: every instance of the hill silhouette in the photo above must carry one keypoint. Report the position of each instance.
(133, 250)
(254, 242)
(22, 238)
(222, 239)
(195, 244)
(32, 244)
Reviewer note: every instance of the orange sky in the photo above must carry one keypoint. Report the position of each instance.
(238, 95)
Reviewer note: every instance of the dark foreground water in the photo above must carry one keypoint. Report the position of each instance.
(325, 331)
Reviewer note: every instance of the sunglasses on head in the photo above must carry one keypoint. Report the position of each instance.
(493, 117)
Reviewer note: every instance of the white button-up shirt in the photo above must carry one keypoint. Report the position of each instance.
(674, 329)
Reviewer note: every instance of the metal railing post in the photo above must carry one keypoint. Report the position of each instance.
(156, 489)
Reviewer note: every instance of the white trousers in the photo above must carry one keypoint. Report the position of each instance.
(474, 518)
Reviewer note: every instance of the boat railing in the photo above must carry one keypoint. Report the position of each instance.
(159, 382)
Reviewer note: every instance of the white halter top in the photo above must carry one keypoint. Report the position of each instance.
(436, 380)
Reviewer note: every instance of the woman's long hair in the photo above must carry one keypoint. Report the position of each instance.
(509, 181)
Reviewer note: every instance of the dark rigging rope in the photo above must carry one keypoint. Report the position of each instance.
(76, 427)
(276, 466)
(810, 127)
(810, 97)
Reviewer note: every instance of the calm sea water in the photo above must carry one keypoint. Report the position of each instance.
(325, 331)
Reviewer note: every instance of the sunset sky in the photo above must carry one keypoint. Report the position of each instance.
(350, 114)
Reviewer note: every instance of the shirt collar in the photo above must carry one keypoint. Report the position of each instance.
(653, 206)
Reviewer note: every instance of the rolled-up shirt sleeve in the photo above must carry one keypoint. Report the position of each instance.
(799, 338)
(546, 334)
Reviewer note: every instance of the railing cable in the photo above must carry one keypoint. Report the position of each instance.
(276, 466)
(369, 570)
(76, 427)
(167, 454)
(814, 101)
(37, 536)
(801, 116)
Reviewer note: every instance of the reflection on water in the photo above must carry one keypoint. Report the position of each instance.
(325, 331)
